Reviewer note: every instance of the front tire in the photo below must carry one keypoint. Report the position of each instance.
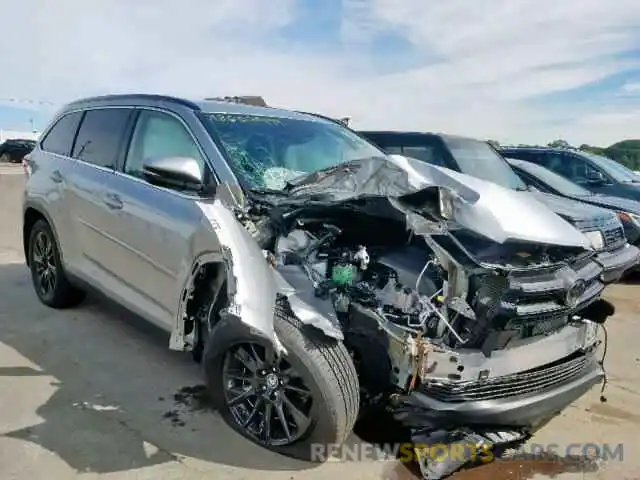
(297, 405)
(47, 273)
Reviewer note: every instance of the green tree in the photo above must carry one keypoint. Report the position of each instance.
(560, 143)
(627, 152)
(592, 149)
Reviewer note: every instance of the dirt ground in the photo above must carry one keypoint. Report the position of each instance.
(94, 393)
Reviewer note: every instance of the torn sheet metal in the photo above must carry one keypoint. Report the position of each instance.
(498, 213)
(255, 287)
(294, 284)
(257, 283)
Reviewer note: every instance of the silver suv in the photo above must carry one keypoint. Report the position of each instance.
(312, 275)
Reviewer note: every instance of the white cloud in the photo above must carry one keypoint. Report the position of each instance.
(493, 56)
(631, 87)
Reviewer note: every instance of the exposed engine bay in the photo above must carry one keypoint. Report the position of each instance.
(465, 336)
(379, 277)
(419, 320)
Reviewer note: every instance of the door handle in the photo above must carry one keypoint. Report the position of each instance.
(56, 176)
(112, 201)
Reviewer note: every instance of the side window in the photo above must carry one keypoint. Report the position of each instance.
(557, 163)
(394, 150)
(100, 136)
(425, 153)
(423, 149)
(380, 140)
(59, 140)
(158, 134)
(526, 156)
(570, 166)
(583, 172)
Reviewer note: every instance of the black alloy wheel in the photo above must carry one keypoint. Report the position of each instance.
(48, 275)
(265, 395)
(44, 265)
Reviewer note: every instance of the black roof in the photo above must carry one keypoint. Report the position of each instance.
(536, 149)
(401, 133)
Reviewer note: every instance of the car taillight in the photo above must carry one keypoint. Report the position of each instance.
(26, 166)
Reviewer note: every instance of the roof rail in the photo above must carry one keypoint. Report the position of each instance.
(342, 121)
(253, 100)
(137, 96)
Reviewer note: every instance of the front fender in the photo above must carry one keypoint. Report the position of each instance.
(252, 286)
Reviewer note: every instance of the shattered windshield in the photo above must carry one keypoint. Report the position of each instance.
(480, 160)
(266, 152)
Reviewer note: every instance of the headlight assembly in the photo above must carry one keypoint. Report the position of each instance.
(596, 239)
(627, 217)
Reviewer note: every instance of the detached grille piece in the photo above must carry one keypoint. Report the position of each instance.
(521, 383)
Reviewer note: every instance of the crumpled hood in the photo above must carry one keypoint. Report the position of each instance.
(498, 213)
(572, 209)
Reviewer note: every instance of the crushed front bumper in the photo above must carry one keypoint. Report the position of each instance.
(464, 419)
(616, 262)
(523, 400)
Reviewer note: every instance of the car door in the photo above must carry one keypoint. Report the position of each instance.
(48, 185)
(577, 169)
(589, 175)
(95, 152)
(155, 227)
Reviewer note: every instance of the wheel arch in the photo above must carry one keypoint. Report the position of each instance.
(206, 270)
(31, 214)
(218, 266)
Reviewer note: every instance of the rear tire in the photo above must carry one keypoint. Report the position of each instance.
(321, 365)
(50, 281)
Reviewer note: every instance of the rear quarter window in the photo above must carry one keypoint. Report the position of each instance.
(59, 139)
(424, 148)
(533, 157)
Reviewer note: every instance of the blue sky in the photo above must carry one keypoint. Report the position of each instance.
(511, 70)
(23, 119)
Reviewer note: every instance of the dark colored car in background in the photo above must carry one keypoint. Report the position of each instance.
(545, 180)
(596, 173)
(14, 150)
(478, 159)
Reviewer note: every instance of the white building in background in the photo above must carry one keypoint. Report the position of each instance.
(11, 134)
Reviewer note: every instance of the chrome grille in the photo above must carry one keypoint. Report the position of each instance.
(542, 324)
(531, 294)
(521, 383)
(614, 238)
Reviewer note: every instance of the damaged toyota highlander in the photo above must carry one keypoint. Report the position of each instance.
(314, 277)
